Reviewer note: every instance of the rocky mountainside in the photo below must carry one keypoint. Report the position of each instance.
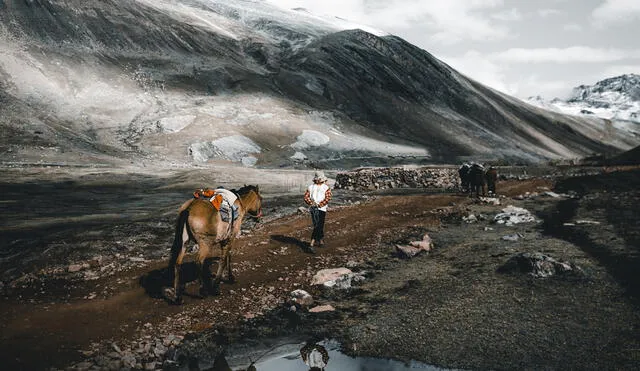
(616, 98)
(187, 82)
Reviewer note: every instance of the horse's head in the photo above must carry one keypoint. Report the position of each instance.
(251, 200)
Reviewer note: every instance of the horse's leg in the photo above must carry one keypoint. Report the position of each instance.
(204, 275)
(228, 263)
(178, 250)
(177, 271)
(224, 251)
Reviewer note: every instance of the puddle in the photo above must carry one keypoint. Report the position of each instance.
(324, 355)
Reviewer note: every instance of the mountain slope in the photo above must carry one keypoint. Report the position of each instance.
(178, 82)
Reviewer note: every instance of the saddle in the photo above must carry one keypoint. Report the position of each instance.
(222, 200)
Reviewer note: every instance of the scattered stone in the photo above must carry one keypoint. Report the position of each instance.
(75, 268)
(425, 244)
(415, 247)
(587, 222)
(514, 215)
(337, 278)
(407, 252)
(512, 237)
(470, 219)
(536, 264)
(322, 308)
(326, 275)
(552, 194)
(490, 200)
(302, 298)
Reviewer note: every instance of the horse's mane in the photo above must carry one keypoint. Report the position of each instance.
(246, 189)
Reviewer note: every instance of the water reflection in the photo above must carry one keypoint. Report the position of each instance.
(315, 356)
(312, 356)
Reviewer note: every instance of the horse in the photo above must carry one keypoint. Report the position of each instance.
(463, 172)
(476, 180)
(492, 178)
(200, 222)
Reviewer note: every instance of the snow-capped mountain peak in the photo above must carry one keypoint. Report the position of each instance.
(616, 98)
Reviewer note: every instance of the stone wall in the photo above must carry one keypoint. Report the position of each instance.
(441, 178)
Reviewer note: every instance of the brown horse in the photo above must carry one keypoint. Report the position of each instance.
(200, 222)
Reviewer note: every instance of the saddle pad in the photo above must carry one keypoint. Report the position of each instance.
(209, 195)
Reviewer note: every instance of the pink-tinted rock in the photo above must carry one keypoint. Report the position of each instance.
(322, 308)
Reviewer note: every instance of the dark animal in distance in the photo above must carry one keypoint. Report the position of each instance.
(477, 183)
(492, 178)
(463, 172)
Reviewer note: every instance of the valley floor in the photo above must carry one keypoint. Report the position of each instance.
(452, 307)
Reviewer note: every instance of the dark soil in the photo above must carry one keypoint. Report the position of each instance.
(450, 307)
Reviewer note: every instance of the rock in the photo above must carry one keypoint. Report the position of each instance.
(536, 264)
(425, 244)
(512, 237)
(490, 200)
(587, 222)
(302, 210)
(322, 308)
(325, 275)
(408, 252)
(470, 219)
(514, 215)
(338, 278)
(302, 298)
(74, 268)
(551, 194)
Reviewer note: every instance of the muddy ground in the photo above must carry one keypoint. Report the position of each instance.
(84, 260)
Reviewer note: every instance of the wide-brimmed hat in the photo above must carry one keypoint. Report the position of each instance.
(319, 176)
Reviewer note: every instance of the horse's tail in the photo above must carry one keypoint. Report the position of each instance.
(181, 224)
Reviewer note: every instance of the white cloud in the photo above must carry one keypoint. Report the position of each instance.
(478, 67)
(574, 54)
(612, 11)
(531, 85)
(547, 12)
(622, 69)
(572, 27)
(508, 15)
(449, 21)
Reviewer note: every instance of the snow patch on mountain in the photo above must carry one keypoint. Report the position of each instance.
(310, 138)
(175, 123)
(236, 148)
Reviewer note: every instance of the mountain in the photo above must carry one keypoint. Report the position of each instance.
(184, 82)
(616, 98)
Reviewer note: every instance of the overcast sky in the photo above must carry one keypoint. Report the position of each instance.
(521, 47)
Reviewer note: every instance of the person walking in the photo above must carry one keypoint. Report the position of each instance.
(317, 196)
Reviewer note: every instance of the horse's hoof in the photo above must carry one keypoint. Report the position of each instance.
(170, 294)
(202, 293)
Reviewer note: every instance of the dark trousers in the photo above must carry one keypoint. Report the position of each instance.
(317, 218)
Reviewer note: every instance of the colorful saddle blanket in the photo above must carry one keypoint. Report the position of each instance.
(222, 200)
